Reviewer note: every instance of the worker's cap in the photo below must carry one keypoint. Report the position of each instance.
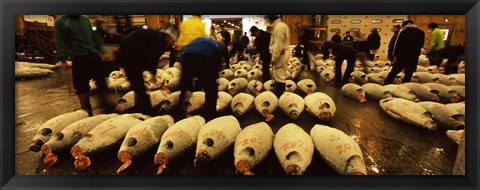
(397, 26)
(171, 32)
(253, 30)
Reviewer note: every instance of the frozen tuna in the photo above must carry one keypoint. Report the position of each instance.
(320, 105)
(401, 92)
(327, 75)
(422, 92)
(339, 150)
(128, 100)
(105, 135)
(241, 103)
(226, 73)
(446, 94)
(358, 77)
(376, 91)
(290, 86)
(460, 91)
(444, 115)
(266, 103)
(215, 137)
(307, 86)
(141, 137)
(223, 101)
(269, 85)
(422, 77)
(409, 112)
(254, 87)
(237, 85)
(354, 91)
(172, 84)
(70, 135)
(222, 84)
(54, 125)
(293, 148)
(375, 78)
(459, 107)
(172, 101)
(291, 104)
(240, 73)
(254, 74)
(195, 102)
(176, 139)
(455, 135)
(252, 145)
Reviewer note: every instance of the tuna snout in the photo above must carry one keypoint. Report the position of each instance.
(293, 170)
(361, 98)
(201, 158)
(36, 145)
(455, 99)
(82, 162)
(436, 98)
(119, 110)
(430, 125)
(325, 116)
(294, 114)
(267, 114)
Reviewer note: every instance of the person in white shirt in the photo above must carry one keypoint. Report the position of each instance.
(279, 46)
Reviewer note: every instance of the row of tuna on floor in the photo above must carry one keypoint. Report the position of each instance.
(293, 147)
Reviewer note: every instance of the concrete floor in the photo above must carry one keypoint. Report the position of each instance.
(390, 147)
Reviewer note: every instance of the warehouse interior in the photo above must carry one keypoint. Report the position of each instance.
(388, 145)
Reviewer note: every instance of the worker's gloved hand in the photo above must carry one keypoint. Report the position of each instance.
(106, 57)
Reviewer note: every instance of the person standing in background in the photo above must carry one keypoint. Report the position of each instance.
(373, 43)
(262, 43)
(337, 38)
(406, 51)
(245, 39)
(348, 37)
(74, 38)
(391, 44)
(279, 46)
(436, 40)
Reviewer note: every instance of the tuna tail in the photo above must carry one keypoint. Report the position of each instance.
(126, 158)
(35, 146)
(50, 159)
(243, 167)
(356, 166)
(82, 162)
(361, 98)
(430, 125)
(267, 114)
(162, 160)
(293, 170)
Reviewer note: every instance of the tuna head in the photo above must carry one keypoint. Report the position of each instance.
(355, 166)
(243, 166)
(293, 169)
(361, 95)
(324, 111)
(38, 141)
(122, 106)
(429, 124)
(457, 121)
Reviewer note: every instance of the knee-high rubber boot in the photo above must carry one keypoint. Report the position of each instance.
(85, 103)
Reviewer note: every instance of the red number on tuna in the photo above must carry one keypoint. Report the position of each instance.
(110, 128)
(343, 148)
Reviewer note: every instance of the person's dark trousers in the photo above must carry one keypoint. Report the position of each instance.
(279, 89)
(407, 63)
(349, 55)
(195, 65)
(451, 67)
(132, 62)
(306, 60)
(266, 58)
(371, 56)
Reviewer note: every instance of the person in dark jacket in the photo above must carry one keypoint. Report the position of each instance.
(342, 51)
(298, 50)
(406, 51)
(202, 58)
(453, 54)
(75, 38)
(262, 42)
(391, 44)
(140, 51)
(245, 39)
(373, 43)
(337, 38)
(348, 37)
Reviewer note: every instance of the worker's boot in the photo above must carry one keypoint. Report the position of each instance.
(85, 103)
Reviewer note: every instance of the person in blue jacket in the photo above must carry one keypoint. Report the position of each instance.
(202, 58)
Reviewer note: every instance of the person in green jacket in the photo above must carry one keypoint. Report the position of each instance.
(74, 38)
(436, 40)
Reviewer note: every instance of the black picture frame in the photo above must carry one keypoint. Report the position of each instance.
(8, 10)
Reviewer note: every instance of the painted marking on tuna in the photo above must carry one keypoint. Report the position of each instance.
(143, 132)
(343, 148)
(58, 122)
(292, 144)
(108, 129)
(178, 133)
(79, 126)
(252, 140)
(214, 133)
